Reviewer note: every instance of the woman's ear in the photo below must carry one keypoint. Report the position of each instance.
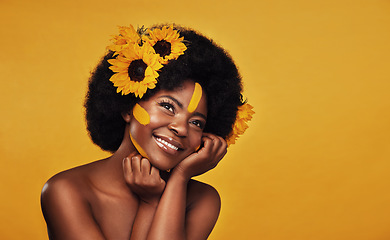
(126, 115)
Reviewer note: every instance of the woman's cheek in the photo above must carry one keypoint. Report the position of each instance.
(198, 143)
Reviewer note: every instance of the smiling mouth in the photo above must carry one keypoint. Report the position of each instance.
(163, 143)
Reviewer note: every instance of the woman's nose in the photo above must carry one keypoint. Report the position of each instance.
(179, 126)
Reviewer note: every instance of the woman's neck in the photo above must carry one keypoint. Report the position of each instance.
(114, 163)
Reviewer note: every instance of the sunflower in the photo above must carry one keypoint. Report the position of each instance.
(244, 115)
(135, 69)
(127, 36)
(167, 43)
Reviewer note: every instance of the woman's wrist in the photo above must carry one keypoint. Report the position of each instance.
(180, 176)
(151, 202)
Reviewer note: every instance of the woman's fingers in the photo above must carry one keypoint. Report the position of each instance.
(142, 178)
(136, 164)
(215, 146)
(208, 144)
(222, 149)
(145, 167)
(154, 172)
(127, 171)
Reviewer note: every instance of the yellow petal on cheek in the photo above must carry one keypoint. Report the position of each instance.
(196, 149)
(138, 147)
(141, 115)
(196, 96)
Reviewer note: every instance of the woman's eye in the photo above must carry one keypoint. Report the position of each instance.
(168, 106)
(198, 123)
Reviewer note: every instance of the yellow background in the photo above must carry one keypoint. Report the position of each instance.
(314, 163)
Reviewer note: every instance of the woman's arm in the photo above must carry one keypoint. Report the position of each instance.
(67, 214)
(172, 220)
(144, 180)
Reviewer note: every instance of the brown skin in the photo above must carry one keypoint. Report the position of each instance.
(124, 196)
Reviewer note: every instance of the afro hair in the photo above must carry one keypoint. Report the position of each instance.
(204, 62)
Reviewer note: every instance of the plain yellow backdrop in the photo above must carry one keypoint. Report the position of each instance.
(314, 163)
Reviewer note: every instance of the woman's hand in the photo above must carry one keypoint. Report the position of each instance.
(213, 150)
(143, 179)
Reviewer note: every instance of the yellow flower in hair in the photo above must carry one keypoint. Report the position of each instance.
(127, 36)
(167, 43)
(135, 70)
(244, 115)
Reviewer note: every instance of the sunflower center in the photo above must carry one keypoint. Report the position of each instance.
(137, 70)
(163, 48)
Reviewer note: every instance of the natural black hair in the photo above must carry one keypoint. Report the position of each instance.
(204, 62)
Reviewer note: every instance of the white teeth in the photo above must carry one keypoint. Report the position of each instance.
(167, 144)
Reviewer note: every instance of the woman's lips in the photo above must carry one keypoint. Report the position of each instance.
(168, 145)
(165, 143)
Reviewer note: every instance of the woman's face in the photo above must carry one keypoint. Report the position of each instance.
(168, 126)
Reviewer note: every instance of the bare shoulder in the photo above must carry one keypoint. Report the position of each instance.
(202, 192)
(65, 189)
(67, 184)
(65, 205)
(203, 207)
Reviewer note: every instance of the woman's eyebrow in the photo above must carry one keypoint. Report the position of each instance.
(173, 99)
(200, 115)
